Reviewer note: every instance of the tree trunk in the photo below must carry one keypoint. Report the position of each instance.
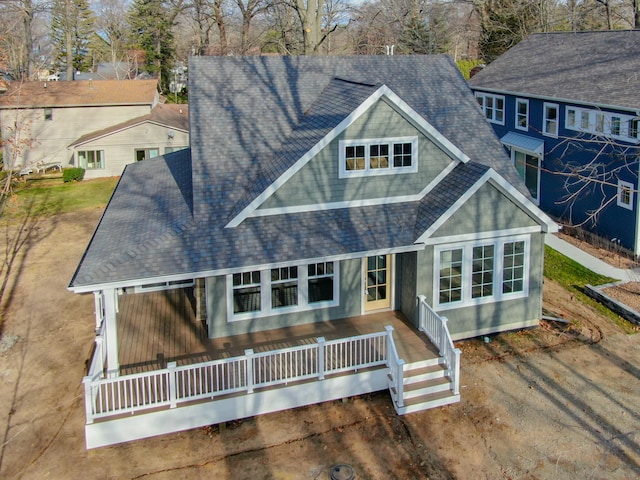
(68, 40)
(222, 28)
(27, 20)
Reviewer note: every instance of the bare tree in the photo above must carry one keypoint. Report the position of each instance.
(248, 9)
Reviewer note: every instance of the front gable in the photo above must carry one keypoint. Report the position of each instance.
(348, 168)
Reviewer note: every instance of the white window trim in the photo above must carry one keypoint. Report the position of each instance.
(621, 186)
(391, 170)
(467, 259)
(625, 123)
(86, 163)
(265, 294)
(544, 119)
(484, 97)
(517, 126)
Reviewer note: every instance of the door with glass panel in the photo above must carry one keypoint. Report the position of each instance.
(377, 288)
(528, 167)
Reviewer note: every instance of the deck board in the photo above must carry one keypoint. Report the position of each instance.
(159, 327)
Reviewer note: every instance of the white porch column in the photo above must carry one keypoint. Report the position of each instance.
(111, 332)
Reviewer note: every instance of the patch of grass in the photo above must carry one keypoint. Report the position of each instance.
(49, 196)
(574, 276)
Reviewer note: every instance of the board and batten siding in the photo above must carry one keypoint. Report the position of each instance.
(318, 181)
(351, 294)
(52, 137)
(119, 148)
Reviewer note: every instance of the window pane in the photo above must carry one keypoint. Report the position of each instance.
(482, 271)
(379, 156)
(584, 123)
(571, 118)
(402, 155)
(450, 276)
(615, 125)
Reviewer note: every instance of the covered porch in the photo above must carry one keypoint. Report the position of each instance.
(172, 377)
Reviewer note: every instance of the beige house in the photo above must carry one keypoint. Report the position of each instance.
(86, 123)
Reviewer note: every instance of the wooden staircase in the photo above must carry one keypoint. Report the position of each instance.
(425, 385)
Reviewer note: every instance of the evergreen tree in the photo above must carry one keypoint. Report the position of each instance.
(72, 25)
(151, 30)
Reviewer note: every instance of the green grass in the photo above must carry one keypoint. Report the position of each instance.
(48, 195)
(573, 276)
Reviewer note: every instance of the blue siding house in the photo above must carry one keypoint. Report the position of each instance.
(566, 108)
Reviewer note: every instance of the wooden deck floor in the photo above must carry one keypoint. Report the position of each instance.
(159, 327)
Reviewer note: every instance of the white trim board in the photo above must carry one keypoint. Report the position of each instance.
(384, 91)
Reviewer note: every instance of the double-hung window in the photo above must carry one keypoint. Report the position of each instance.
(492, 106)
(378, 156)
(287, 289)
(481, 272)
(625, 195)
(550, 120)
(522, 114)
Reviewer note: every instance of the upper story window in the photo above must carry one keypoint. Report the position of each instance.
(91, 159)
(378, 156)
(481, 272)
(597, 122)
(522, 114)
(625, 195)
(550, 120)
(48, 113)
(492, 105)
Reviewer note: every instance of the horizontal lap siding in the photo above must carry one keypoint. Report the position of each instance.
(318, 182)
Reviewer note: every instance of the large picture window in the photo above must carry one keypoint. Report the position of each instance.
(254, 294)
(484, 272)
(378, 156)
(91, 159)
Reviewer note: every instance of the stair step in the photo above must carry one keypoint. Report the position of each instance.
(427, 387)
(424, 374)
(431, 362)
(426, 402)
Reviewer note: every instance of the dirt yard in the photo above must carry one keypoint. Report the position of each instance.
(560, 401)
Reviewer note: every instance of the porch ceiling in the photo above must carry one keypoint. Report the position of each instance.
(159, 327)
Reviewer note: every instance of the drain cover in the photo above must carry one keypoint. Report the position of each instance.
(342, 472)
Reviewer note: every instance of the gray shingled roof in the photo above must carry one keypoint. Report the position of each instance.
(253, 117)
(601, 68)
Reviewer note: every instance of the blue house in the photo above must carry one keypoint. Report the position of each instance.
(327, 234)
(566, 108)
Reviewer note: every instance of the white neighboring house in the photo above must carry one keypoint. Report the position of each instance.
(106, 152)
(41, 120)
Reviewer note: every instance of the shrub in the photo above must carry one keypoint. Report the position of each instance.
(72, 174)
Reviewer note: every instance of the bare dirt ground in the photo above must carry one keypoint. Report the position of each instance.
(559, 401)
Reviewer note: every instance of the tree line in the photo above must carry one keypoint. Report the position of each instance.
(152, 36)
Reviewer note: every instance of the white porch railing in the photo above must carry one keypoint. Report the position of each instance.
(435, 327)
(396, 370)
(172, 386)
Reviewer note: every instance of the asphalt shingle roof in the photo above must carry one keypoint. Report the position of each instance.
(600, 68)
(80, 93)
(253, 117)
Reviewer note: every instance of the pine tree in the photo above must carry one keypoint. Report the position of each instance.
(151, 30)
(72, 24)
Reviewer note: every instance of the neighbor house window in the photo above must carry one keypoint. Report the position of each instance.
(522, 114)
(287, 289)
(91, 159)
(48, 114)
(246, 292)
(550, 121)
(481, 272)
(597, 122)
(492, 106)
(625, 195)
(146, 153)
(378, 156)
(173, 149)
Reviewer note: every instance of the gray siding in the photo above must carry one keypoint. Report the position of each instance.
(406, 281)
(492, 317)
(318, 182)
(350, 305)
(487, 210)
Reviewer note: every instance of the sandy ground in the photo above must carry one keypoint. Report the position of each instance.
(554, 402)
